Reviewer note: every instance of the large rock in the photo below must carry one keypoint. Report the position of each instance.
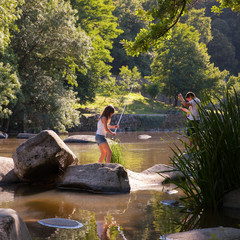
(220, 233)
(232, 200)
(151, 179)
(96, 177)
(3, 135)
(42, 158)
(7, 174)
(11, 226)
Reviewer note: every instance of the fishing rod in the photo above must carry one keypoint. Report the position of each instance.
(124, 107)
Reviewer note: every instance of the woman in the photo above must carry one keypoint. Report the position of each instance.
(102, 128)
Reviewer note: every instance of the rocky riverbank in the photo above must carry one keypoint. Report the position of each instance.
(135, 122)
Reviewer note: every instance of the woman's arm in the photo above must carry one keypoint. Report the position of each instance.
(113, 126)
(105, 124)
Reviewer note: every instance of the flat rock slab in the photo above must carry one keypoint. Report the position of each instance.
(7, 174)
(220, 233)
(97, 177)
(150, 179)
(11, 226)
(80, 139)
(25, 135)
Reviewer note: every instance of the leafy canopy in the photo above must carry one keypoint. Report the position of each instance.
(163, 17)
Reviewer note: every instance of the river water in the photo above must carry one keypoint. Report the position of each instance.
(137, 215)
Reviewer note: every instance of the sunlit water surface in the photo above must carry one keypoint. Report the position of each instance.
(137, 215)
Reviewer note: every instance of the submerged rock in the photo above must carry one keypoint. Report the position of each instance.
(42, 158)
(12, 226)
(144, 137)
(219, 233)
(96, 177)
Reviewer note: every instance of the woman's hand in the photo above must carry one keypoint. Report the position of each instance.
(113, 133)
(116, 126)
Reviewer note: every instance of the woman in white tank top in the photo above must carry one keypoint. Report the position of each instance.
(103, 128)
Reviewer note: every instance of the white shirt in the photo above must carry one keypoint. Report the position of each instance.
(194, 114)
(100, 128)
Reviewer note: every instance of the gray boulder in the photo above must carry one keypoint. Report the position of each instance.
(232, 200)
(96, 177)
(3, 135)
(80, 139)
(220, 233)
(43, 158)
(11, 226)
(7, 174)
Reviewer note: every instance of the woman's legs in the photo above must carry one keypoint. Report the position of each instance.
(105, 150)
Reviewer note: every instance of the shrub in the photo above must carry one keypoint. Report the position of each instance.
(117, 156)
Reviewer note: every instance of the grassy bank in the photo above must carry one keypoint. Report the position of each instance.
(137, 104)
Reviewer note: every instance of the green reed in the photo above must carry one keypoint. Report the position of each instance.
(117, 156)
(213, 166)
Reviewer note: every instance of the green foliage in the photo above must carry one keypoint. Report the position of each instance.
(164, 16)
(117, 150)
(50, 48)
(129, 78)
(234, 83)
(9, 13)
(223, 52)
(9, 86)
(131, 24)
(96, 18)
(213, 166)
(192, 63)
(197, 19)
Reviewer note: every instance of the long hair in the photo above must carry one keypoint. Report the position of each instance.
(107, 112)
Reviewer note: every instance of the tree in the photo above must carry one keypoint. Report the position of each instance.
(96, 18)
(197, 19)
(9, 81)
(222, 52)
(50, 48)
(164, 16)
(9, 13)
(9, 86)
(193, 69)
(131, 24)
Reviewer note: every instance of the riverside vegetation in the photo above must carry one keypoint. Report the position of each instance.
(212, 167)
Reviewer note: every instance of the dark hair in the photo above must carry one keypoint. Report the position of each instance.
(190, 94)
(107, 112)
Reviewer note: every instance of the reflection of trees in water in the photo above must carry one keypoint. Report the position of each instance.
(166, 219)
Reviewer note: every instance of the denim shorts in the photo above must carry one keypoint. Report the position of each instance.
(100, 139)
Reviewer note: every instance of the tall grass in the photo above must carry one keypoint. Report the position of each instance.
(117, 156)
(213, 166)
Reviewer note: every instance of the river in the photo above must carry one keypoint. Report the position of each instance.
(137, 215)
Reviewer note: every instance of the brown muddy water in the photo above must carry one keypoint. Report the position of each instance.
(137, 215)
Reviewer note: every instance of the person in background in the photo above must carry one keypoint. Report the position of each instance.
(192, 112)
(103, 127)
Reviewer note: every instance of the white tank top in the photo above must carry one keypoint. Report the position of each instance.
(100, 128)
